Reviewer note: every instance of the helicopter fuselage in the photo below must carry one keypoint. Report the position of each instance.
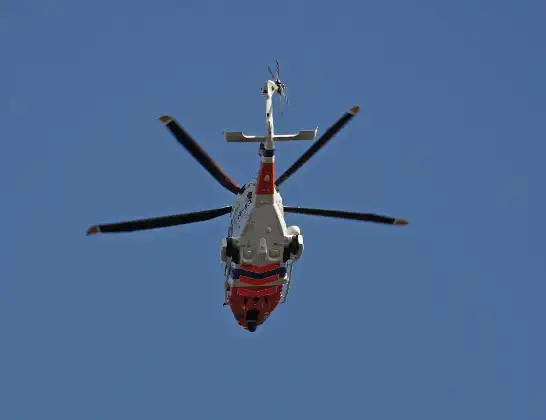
(258, 251)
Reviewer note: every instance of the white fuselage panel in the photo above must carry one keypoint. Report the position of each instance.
(257, 223)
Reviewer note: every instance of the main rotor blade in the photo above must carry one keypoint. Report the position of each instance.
(315, 147)
(159, 222)
(340, 214)
(199, 153)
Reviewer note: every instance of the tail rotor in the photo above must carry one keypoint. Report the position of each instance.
(281, 87)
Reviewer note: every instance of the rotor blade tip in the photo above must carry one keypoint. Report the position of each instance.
(401, 222)
(93, 230)
(165, 119)
(354, 110)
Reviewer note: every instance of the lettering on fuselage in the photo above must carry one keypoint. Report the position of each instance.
(230, 229)
(241, 210)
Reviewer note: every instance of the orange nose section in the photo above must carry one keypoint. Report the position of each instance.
(251, 312)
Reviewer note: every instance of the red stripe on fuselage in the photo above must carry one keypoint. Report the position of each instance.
(266, 179)
(256, 269)
(260, 282)
(257, 291)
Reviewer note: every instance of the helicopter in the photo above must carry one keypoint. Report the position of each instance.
(260, 249)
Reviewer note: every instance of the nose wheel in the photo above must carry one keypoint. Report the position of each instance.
(252, 320)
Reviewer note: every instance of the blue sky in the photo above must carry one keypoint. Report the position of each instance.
(442, 319)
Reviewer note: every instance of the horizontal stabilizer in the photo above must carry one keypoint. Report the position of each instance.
(302, 135)
(240, 137)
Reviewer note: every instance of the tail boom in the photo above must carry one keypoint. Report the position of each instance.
(266, 175)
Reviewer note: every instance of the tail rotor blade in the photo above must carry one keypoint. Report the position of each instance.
(315, 147)
(159, 222)
(340, 214)
(199, 153)
(273, 77)
(283, 102)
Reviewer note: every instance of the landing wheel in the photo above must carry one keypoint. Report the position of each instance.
(292, 248)
(231, 250)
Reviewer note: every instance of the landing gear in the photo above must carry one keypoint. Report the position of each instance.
(292, 253)
(229, 251)
(229, 254)
(294, 249)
